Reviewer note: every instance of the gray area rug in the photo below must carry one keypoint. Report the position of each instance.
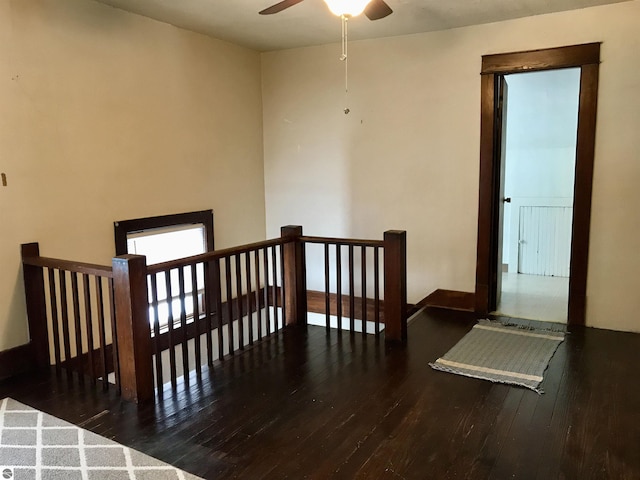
(499, 353)
(38, 446)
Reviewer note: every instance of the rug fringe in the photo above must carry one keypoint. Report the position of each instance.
(505, 323)
(445, 369)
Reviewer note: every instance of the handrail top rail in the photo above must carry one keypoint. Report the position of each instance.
(106, 271)
(343, 241)
(215, 255)
(70, 265)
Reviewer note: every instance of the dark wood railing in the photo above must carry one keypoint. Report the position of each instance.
(337, 303)
(205, 307)
(71, 315)
(174, 317)
(358, 278)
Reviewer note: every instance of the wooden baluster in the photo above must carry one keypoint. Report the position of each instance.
(196, 317)
(277, 319)
(34, 290)
(210, 286)
(102, 334)
(230, 336)
(170, 332)
(265, 259)
(283, 288)
(363, 268)
(155, 319)
(55, 321)
(327, 288)
(133, 331)
(238, 262)
(376, 288)
(75, 296)
(256, 258)
(247, 264)
(339, 285)
(64, 303)
(352, 293)
(183, 325)
(115, 356)
(395, 285)
(88, 318)
(217, 293)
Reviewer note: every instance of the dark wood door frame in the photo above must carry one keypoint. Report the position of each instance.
(587, 58)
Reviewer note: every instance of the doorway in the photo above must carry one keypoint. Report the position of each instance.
(540, 123)
(491, 207)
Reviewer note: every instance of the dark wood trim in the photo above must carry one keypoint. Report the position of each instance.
(123, 227)
(316, 303)
(16, 361)
(449, 300)
(494, 66)
(544, 59)
(582, 194)
(486, 212)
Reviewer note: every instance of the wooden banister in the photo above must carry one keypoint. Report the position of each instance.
(69, 265)
(342, 241)
(266, 279)
(395, 285)
(132, 328)
(211, 256)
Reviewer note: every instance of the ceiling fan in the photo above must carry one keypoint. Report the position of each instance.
(373, 9)
(345, 9)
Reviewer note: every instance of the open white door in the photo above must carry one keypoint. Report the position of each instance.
(501, 151)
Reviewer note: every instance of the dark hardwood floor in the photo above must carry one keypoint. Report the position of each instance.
(310, 405)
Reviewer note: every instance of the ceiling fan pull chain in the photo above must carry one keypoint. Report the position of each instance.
(345, 58)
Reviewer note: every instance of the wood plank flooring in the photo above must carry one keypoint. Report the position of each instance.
(305, 404)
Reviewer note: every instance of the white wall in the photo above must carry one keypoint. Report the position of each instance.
(107, 116)
(542, 123)
(407, 155)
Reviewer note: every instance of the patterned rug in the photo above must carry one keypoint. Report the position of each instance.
(502, 353)
(38, 446)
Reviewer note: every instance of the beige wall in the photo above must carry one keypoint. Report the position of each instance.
(407, 155)
(107, 116)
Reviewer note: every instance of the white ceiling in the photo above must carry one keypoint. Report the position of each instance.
(311, 23)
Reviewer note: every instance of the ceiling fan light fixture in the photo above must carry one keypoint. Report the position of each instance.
(350, 8)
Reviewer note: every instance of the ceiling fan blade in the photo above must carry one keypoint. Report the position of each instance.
(278, 7)
(377, 9)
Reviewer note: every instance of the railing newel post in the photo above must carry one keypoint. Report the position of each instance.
(395, 286)
(294, 277)
(133, 329)
(34, 292)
